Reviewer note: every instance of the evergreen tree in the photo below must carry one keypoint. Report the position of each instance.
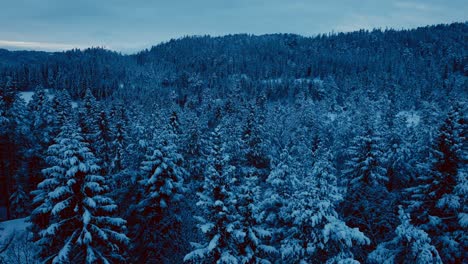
(401, 155)
(88, 118)
(194, 152)
(14, 142)
(42, 127)
(317, 233)
(62, 107)
(411, 245)
(219, 223)
(162, 181)
(80, 224)
(61, 104)
(254, 247)
(368, 205)
(174, 123)
(42, 118)
(118, 147)
(280, 186)
(102, 143)
(256, 156)
(438, 201)
(19, 199)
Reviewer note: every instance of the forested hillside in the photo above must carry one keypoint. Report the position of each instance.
(241, 149)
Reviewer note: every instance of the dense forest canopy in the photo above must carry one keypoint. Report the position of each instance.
(276, 148)
(372, 59)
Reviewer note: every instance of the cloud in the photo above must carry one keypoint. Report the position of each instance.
(45, 46)
(414, 6)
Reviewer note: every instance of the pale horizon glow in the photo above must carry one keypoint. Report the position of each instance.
(44, 46)
(130, 26)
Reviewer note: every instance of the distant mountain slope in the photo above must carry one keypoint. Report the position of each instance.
(430, 54)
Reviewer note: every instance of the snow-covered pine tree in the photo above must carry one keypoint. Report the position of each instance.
(255, 246)
(438, 202)
(89, 113)
(80, 224)
(194, 151)
(102, 142)
(317, 233)
(61, 105)
(411, 245)
(42, 118)
(368, 205)
(174, 123)
(14, 142)
(118, 147)
(256, 156)
(280, 186)
(401, 154)
(162, 180)
(19, 199)
(219, 222)
(43, 131)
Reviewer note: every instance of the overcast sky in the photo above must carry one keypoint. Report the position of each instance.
(131, 25)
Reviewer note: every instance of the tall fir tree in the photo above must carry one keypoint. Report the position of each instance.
(219, 222)
(255, 245)
(14, 142)
(89, 112)
(256, 156)
(61, 104)
(42, 128)
(411, 245)
(278, 191)
(368, 204)
(162, 183)
(438, 201)
(318, 235)
(80, 224)
(102, 144)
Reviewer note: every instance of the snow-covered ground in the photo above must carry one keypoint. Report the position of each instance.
(412, 118)
(15, 247)
(13, 226)
(27, 97)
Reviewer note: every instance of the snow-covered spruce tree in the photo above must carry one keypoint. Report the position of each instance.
(43, 130)
(254, 146)
(118, 147)
(14, 141)
(402, 154)
(438, 202)
(194, 152)
(411, 245)
(88, 118)
(174, 123)
(219, 222)
(368, 205)
(61, 104)
(255, 246)
(19, 200)
(162, 180)
(102, 142)
(318, 235)
(280, 185)
(42, 117)
(123, 162)
(80, 224)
